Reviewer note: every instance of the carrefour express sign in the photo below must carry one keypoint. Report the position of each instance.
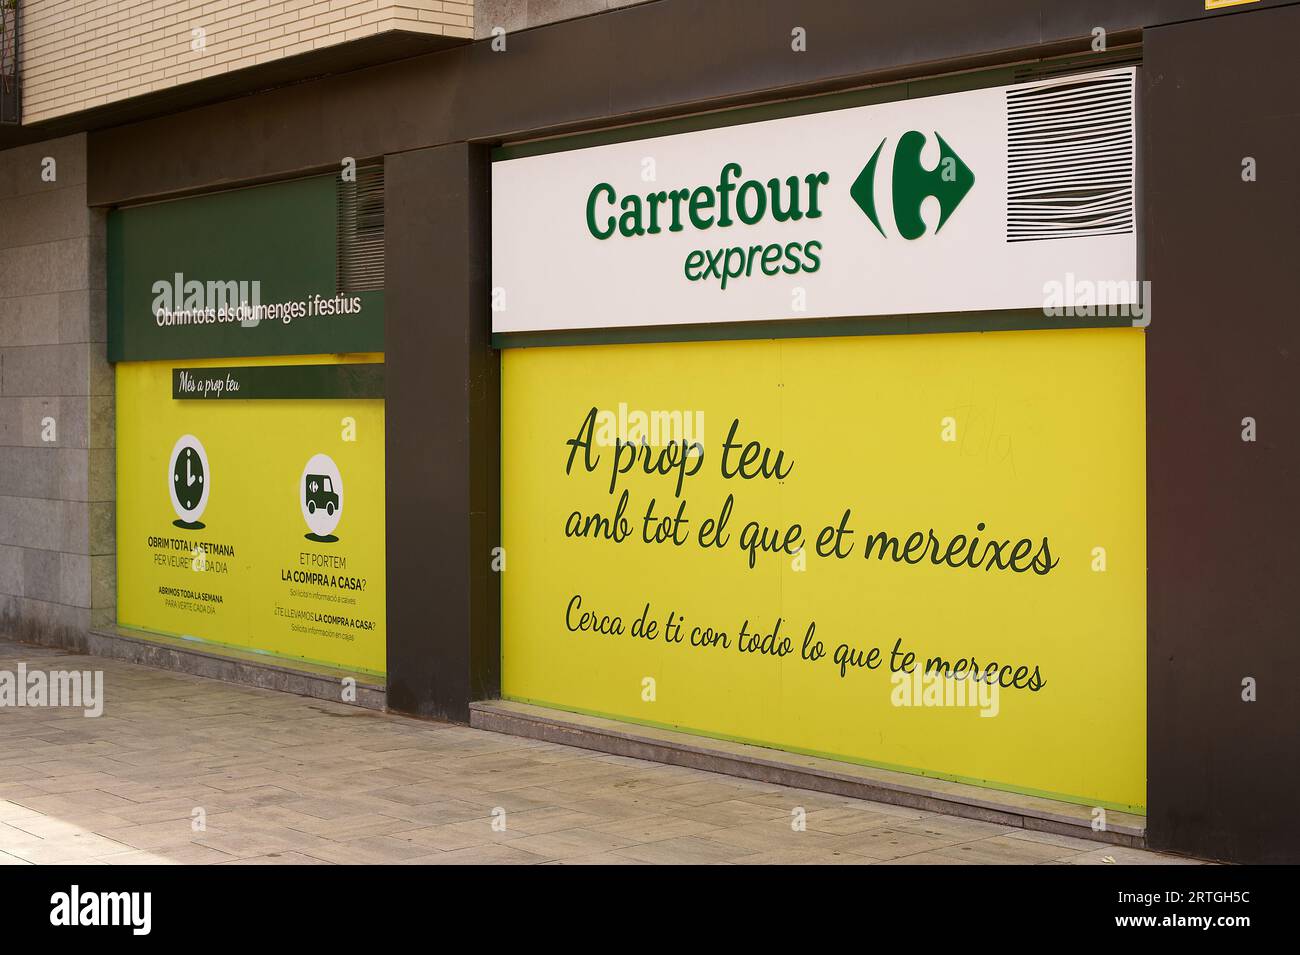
(964, 202)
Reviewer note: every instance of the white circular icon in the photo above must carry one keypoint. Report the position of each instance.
(320, 491)
(188, 479)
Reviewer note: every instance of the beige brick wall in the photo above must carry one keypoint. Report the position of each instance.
(79, 54)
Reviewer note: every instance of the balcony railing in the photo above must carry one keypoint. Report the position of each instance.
(11, 109)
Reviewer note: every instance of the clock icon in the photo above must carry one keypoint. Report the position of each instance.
(188, 481)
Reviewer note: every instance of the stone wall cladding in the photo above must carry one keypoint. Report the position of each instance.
(57, 458)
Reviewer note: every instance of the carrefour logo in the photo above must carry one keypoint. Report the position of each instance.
(911, 184)
(733, 200)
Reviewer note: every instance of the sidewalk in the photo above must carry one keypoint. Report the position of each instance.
(180, 769)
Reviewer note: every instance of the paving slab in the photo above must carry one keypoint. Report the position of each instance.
(182, 769)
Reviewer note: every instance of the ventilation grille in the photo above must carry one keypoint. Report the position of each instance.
(1070, 158)
(361, 231)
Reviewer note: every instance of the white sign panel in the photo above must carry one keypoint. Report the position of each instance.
(1003, 198)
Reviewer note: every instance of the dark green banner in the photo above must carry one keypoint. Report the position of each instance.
(247, 272)
(279, 381)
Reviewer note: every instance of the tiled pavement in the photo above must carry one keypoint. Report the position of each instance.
(284, 779)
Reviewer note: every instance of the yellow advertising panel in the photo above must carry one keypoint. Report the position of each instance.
(919, 552)
(254, 523)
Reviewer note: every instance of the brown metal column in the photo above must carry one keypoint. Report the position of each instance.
(442, 424)
(1223, 516)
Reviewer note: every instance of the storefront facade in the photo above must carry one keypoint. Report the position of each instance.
(250, 390)
(916, 548)
(843, 274)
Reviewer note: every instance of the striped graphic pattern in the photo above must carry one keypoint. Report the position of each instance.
(1070, 158)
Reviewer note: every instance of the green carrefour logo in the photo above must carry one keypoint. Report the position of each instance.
(912, 184)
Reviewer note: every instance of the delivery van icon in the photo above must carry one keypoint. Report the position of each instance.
(320, 494)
